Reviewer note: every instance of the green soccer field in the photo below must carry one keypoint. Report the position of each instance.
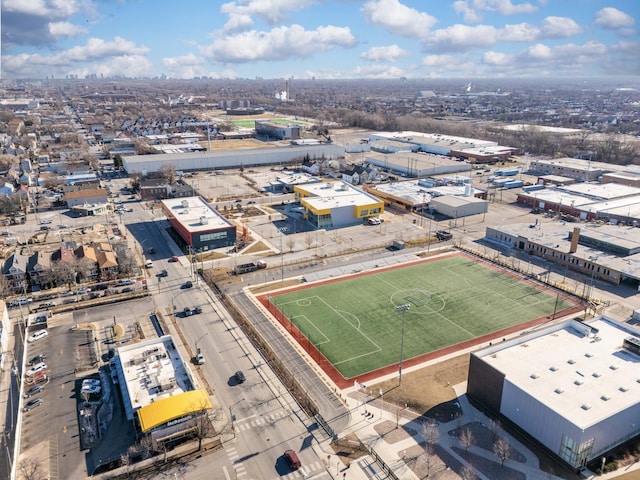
(251, 122)
(355, 325)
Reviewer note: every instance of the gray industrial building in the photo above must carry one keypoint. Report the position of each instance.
(417, 164)
(573, 386)
(222, 159)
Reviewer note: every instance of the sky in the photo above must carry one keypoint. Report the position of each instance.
(322, 39)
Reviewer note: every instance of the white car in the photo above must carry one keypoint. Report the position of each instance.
(93, 382)
(45, 222)
(37, 336)
(83, 290)
(40, 367)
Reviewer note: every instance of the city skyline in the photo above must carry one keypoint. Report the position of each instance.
(375, 39)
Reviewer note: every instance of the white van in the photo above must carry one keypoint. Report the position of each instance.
(149, 264)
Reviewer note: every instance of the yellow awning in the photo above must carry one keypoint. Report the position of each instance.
(170, 408)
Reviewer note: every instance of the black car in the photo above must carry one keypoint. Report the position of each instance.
(33, 403)
(188, 284)
(33, 390)
(196, 310)
(187, 312)
(240, 378)
(163, 273)
(37, 359)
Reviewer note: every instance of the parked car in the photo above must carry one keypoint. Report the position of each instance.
(197, 310)
(126, 290)
(40, 367)
(33, 391)
(174, 259)
(83, 290)
(188, 284)
(163, 273)
(45, 222)
(240, 378)
(33, 403)
(126, 281)
(37, 336)
(37, 359)
(187, 312)
(200, 359)
(47, 305)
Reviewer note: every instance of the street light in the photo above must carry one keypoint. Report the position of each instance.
(232, 417)
(200, 338)
(403, 309)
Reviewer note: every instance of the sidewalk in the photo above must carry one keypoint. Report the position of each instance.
(400, 442)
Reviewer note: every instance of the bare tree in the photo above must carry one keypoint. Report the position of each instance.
(494, 426)
(431, 436)
(466, 438)
(308, 240)
(502, 449)
(63, 273)
(30, 469)
(126, 261)
(125, 461)
(168, 171)
(291, 242)
(467, 473)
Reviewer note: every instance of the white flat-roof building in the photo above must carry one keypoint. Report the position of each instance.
(416, 164)
(221, 159)
(573, 386)
(199, 225)
(606, 252)
(336, 204)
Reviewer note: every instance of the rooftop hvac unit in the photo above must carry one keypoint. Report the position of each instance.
(184, 203)
(204, 220)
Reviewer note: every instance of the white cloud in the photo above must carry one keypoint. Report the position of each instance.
(389, 53)
(44, 8)
(612, 18)
(472, 9)
(461, 37)
(66, 29)
(397, 18)
(237, 23)
(97, 48)
(559, 27)
(117, 57)
(378, 71)
(185, 66)
(496, 58)
(278, 44)
(521, 32)
(124, 65)
(438, 60)
(270, 11)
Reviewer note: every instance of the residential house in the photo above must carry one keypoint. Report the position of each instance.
(107, 262)
(15, 272)
(88, 258)
(7, 189)
(39, 268)
(83, 197)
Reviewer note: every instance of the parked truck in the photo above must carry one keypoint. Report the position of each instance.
(249, 267)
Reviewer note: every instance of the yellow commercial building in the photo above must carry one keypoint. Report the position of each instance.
(336, 204)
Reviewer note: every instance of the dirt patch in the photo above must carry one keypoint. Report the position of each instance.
(427, 391)
(348, 448)
(393, 432)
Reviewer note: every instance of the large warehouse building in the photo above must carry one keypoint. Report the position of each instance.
(573, 386)
(198, 224)
(221, 159)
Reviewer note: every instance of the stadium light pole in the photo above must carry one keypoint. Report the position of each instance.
(403, 309)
